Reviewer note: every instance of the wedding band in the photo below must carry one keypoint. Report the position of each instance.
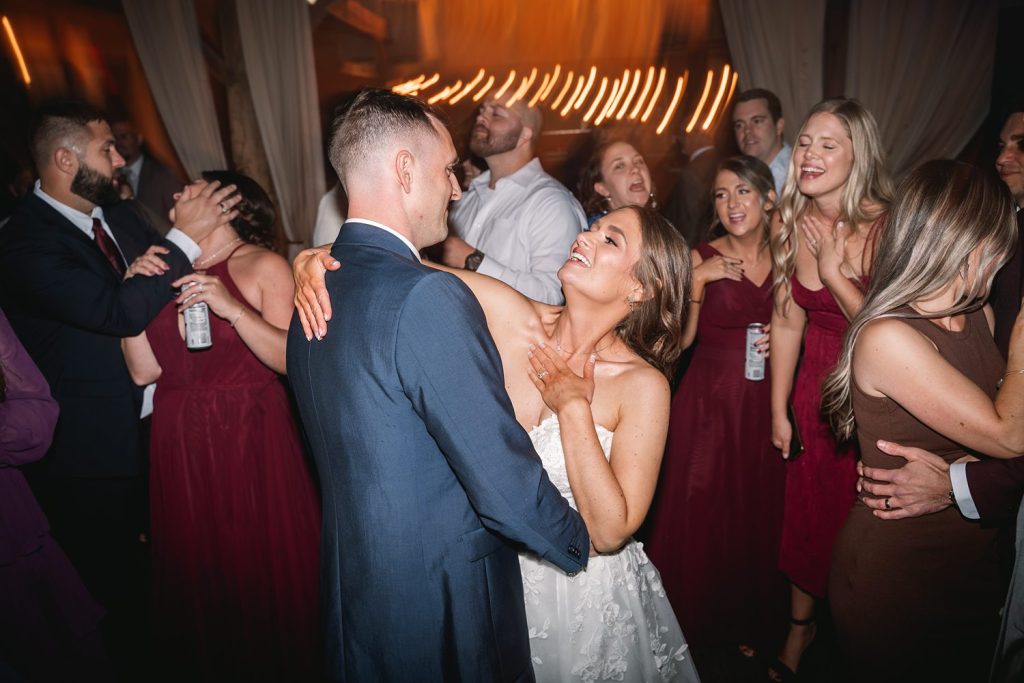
(223, 209)
(887, 506)
(542, 374)
(812, 243)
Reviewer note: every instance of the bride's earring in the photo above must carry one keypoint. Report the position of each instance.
(652, 201)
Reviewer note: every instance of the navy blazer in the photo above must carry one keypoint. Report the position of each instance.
(429, 484)
(70, 309)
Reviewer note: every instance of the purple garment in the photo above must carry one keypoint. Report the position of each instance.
(48, 621)
(27, 419)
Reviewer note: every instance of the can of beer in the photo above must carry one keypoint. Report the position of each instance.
(197, 324)
(754, 367)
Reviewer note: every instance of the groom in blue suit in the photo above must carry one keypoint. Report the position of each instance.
(430, 486)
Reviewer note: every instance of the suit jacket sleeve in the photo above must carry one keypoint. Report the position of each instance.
(450, 370)
(64, 286)
(996, 487)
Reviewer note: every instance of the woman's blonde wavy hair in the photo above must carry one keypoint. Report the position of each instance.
(944, 210)
(866, 194)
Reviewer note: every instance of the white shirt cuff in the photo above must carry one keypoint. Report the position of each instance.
(962, 492)
(185, 243)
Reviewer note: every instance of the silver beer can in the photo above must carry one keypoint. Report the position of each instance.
(197, 324)
(754, 367)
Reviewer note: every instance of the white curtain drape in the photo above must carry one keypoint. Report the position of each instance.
(779, 46)
(924, 69)
(278, 50)
(166, 37)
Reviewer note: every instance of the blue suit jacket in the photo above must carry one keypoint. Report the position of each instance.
(429, 483)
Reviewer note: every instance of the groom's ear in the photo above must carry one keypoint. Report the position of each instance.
(405, 164)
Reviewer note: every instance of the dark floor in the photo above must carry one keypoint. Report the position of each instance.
(821, 662)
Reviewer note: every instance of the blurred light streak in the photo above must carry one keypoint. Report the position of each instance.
(501, 91)
(565, 89)
(608, 103)
(718, 98)
(17, 51)
(655, 96)
(483, 91)
(469, 86)
(540, 91)
(732, 89)
(597, 100)
(409, 86)
(703, 99)
(643, 94)
(443, 95)
(680, 86)
(629, 97)
(429, 82)
(575, 94)
(618, 95)
(586, 88)
(551, 85)
(524, 88)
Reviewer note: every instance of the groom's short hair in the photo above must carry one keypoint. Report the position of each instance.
(375, 118)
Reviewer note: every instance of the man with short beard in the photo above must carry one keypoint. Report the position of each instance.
(63, 259)
(515, 222)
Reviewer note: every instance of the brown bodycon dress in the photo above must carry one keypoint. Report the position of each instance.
(919, 598)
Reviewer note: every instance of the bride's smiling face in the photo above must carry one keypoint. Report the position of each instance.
(602, 260)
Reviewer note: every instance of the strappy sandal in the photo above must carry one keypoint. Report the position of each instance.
(764, 668)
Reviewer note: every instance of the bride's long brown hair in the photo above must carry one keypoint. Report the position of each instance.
(654, 328)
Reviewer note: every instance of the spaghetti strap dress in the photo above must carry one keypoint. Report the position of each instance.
(235, 512)
(718, 516)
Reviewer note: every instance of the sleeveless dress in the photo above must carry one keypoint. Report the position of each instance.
(919, 598)
(821, 482)
(610, 622)
(718, 514)
(235, 515)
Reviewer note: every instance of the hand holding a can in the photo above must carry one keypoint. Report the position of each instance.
(206, 289)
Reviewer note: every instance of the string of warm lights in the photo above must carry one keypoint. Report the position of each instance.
(615, 96)
(22, 67)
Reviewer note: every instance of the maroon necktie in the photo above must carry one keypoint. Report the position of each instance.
(107, 246)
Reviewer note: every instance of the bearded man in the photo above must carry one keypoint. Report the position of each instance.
(64, 258)
(515, 222)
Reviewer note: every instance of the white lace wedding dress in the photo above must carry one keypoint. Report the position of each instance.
(610, 622)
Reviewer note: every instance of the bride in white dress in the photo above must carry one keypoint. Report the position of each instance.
(588, 380)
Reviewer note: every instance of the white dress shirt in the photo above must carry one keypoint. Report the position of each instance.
(328, 218)
(132, 171)
(525, 227)
(780, 168)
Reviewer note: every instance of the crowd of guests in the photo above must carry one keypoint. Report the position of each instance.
(852, 476)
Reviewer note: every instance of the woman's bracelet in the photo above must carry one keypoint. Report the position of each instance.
(696, 301)
(240, 312)
(1011, 372)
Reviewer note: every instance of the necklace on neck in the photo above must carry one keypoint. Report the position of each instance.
(202, 262)
(558, 347)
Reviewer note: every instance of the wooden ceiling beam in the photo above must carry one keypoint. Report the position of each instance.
(361, 18)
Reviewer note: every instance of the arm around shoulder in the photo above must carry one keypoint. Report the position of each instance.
(450, 370)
